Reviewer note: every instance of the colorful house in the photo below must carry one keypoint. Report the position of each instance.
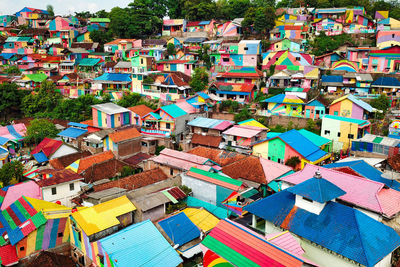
(385, 39)
(73, 134)
(296, 32)
(101, 22)
(385, 85)
(342, 131)
(19, 45)
(90, 224)
(52, 148)
(207, 27)
(230, 28)
(242, 137)
(123, 143)
(111, 81)
(185, 66)
(285, 105)
(173, 27)
(250, 75)
(350, 106)
(138, 112)
(291, 144)
(314, 109)
(110, 115)
(328, 26)
(286, 60)
(388, 24)
(379, 145)
(241, 92)
(332, 83)
(15, 134)
(286, 44)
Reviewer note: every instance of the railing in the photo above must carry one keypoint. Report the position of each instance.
(156, 132)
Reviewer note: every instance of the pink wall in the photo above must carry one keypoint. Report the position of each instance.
(357, 112)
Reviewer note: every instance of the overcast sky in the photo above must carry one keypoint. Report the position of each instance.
(61, 7)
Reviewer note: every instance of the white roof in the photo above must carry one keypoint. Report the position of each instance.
(110, 108)
(249, 41)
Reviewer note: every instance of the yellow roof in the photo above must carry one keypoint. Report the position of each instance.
(201, 218)
(50, 210)
(339, 99)
(252, 122)
(103, 216)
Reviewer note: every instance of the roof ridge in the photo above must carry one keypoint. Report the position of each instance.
(354, 212)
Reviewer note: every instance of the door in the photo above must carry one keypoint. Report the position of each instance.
(307, 113)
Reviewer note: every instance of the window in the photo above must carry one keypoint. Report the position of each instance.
(54, 191)
(187, 66)
(276, 46)
(307, 199)
(225, 59)
(269, 158)
(338, 134)
(168, 125)
(392, 35)
(141, 61)
(171, 171)
(60, 234)
(297, 58)
(21, 248)
(280, 161)
(246, 48)
(327, 132)
(71, 187)
(204, 130)
(350, 136)
(144, 144)
(119, 119)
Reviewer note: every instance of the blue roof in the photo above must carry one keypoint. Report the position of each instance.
(72, 132)
(315, 103)
(314, 138)
(302, 145)
(332, 79)
(317, 189)
(367, 171)
(3, 140)
(40, 157)
(180, 229)
(155, 115)
(140, 244)
(203, 95)
(360, 103)
(114, 77)
(206, 122)
(7, 55)
(219, 212)
(13, 132)
(3, 150)
(338, 228)
(386, 81)
(173, 110)
(78, 125)
(204, 22)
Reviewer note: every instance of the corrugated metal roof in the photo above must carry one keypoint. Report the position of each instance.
(40, 157)
(110, 108)
(361, 123)
(179, 229)
(201, 218)
(314, 138)
(219, 212)
(72, 132)
(214, 178)
(208, 123)
(140, 244)
(173, 110)
(243, 131)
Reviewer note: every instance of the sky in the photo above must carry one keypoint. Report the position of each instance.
(61, 7)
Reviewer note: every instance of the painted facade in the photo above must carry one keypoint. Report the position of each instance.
(286, 60)
(385, 39)
(104, 119)
(314, 110)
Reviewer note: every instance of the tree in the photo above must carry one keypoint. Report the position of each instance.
(199, 80)
(101, 14)
(171, 49)
(84, 15)
(243, 115)
(264, 3)
(13, 70)
(39, 129)
(264, 19)
(10, 98)
(130, 100)
(11, 172)
(382, 103)
(101, 37)
(323, 43)
(50, 10)
(312, 126)
(293, 162)
(199, 9)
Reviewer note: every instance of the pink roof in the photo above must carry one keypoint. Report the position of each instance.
(361, 192)
(243, 131)
(273, 170)
(183, 155)
(223, 125)
(186, 106)
(19, 128)
(28, 189)
(286, 241)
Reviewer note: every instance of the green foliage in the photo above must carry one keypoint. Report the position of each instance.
(101, 37)
(127, 171)
(11, 171)
(148, 80)
(229, 105)
(199, 9)
(158, 150)
(271, 70)
(261, 19)
(231, 9)
(260, 97)
(171, 49)
(275, 91)
(187, 190)
(84, 14)
(312, 126)
(381, 103)
(323, 44)
(134, 99)
(10, 98)
(293, 161)
(12, 70)
(199, 80)
(203, 55)
(243, 115)
(39, 129)
(50, 9)
(278, 129)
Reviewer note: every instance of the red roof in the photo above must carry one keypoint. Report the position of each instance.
(176, 192)
(175, 61)
(125, 135)
(47, 146)
(206, 140)
(141, 110)
(59, 177)
(192, 23)
(8, 255)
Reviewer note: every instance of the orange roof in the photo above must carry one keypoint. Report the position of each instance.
(87, 162)
(125, 135)
(88, 122)
(141, 110)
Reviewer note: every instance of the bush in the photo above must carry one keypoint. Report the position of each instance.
(159, 149)
(293, 162)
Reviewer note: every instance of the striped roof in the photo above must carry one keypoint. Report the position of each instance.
(210, 123)
(355, 100)
(283, 98)
(216, 179)
(361, 123)
(242, 247)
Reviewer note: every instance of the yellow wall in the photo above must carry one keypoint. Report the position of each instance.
(164, 128)
(346, 107)
(347, 128)
(261, 150)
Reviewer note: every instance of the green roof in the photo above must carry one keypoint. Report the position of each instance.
(174, 111)
(90, 62)
(37, 77)
(294, 89)
(216, 176)
(356, 121)
(314, 138)
(99, 20)
(377, 140)
(19, 39)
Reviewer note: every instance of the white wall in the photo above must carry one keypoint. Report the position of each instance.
(63, 193)
(63, 151)
(201, 189)
(314, 207)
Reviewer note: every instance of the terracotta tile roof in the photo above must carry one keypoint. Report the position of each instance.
(110, 64)
(62, 162)
(141, 110)
(394, 162)
(219, 156)
(88, 122)
(206, 140)
(50, 259)
(135, 181)
(88, 162)
(124, 135)
(59, 177)
(136, 159)
(248, 168)
(104, 170)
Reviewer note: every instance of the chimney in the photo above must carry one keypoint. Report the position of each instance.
(317, 175)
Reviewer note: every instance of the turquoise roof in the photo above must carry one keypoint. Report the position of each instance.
(90, 62)
(356, 121)
(219, 212)
(174, 111)
(314, 138)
